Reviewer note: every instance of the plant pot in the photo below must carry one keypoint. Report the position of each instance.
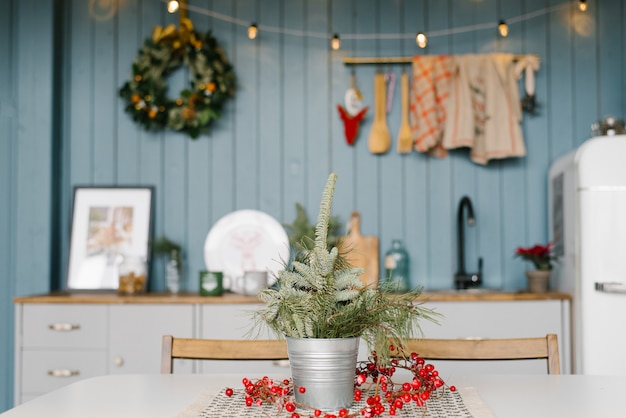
(325, 368)
(538, 280)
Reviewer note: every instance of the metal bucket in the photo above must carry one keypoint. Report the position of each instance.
(325, 367)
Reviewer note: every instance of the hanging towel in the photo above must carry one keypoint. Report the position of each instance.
(483, 110)
(466, 105)
(429, 93)
(502, 136)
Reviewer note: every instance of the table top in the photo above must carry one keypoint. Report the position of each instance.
(152, 395)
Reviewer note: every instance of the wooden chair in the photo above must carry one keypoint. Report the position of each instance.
(489, 349)
(199, 349)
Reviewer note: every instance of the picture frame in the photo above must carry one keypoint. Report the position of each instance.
(107, 225)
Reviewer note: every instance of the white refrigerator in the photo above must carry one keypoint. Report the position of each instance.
(587, 222)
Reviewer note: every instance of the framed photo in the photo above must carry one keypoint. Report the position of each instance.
(108, 224)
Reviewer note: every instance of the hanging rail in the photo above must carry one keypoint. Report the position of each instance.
(399, 60)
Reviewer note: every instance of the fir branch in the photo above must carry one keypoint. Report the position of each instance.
(321, 296)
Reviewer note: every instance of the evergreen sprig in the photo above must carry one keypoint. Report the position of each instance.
(319, 296)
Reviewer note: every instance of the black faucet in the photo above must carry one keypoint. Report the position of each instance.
(462, 279)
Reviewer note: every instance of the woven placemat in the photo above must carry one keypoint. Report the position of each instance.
(451, 404)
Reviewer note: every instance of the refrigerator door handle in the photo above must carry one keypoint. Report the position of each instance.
(611, 287)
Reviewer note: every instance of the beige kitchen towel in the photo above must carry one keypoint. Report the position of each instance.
(483, 111)
(466, 105)
(502, 136)
(429, 93)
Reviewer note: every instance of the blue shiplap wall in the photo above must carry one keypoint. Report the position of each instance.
(280, 136)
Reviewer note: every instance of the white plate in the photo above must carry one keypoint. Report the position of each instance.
(246, 240)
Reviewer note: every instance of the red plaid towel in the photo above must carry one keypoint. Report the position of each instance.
(429, 94)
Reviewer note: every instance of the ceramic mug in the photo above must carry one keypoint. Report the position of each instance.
(252, 282)
(211, 283)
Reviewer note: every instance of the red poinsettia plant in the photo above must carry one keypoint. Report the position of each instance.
(540, 255)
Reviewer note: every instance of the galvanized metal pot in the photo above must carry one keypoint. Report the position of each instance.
(325, 367)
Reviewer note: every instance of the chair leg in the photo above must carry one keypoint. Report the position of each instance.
(167, 362)
(554, 364)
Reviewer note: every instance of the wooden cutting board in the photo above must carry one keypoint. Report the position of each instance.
(361, 251)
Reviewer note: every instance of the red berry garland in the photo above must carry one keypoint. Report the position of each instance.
(371, 379)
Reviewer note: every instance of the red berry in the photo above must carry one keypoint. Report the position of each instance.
(343, 412)
(317, 412)
(295, 415)
(248, 401)
(406, 387)
(290, 407)
(301, 389)
(452, 388)
(229, 392)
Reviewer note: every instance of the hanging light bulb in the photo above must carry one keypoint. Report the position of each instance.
(172, 6)
(503, 29)
(582, 5)
(335, 43)
(252, 31)
(421, 40)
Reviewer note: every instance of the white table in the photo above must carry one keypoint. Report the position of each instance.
(166, 395)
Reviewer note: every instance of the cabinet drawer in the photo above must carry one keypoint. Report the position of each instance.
(494, 319)
(45, 370)
(64, 326)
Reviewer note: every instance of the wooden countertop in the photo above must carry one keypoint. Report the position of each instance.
(195, 298)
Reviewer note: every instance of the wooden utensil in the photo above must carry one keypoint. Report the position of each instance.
(405, 140)
(361, 251)
(379, 139)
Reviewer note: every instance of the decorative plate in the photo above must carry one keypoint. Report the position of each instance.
(246, 240)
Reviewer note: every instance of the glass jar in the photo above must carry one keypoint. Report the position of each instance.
(133, 277)
(397, 268)
(173, 272)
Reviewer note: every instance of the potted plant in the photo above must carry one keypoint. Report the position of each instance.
(541, 256)
(322, 308)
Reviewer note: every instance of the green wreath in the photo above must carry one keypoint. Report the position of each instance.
(212, 81)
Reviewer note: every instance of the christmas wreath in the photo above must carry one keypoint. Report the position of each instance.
(212, 81)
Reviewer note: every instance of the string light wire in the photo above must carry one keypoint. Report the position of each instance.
(370, 36)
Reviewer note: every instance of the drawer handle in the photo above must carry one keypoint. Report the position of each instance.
(63, 373)
(61, 326)
(281, 363)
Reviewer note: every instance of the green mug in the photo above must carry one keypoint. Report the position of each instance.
(211, 283)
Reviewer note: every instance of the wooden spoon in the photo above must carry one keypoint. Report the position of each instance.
(379, 139)
(405, 140)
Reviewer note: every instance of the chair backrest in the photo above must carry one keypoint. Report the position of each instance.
(200, 349)
(489, 349)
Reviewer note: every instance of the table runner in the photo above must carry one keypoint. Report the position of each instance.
(463, 403)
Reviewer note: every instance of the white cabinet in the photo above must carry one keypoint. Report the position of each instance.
(59, 340)
(135, 333)
(502, 319)
(58, 344)
(235, 322)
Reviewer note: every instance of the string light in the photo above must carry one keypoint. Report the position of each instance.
(582, 5)
(335, 43)
(421, 40)
(172, 6)
(503, 29)
(252, 31)
(369, 36)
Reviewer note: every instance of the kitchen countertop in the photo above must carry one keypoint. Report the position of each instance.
(109, 297)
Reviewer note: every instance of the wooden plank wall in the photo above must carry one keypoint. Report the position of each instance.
(281, 135)
(25, 164)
